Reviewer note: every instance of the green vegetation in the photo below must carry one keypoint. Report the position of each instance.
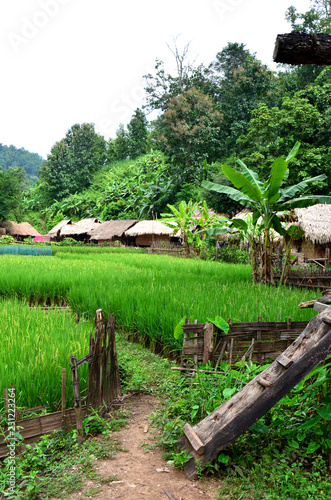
(148, 294)
(267, 200)
(286, 454)
(282, 456)
(11, 157)
(35, 345)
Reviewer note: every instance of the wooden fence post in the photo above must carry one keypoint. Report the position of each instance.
(64, 396)
(114, 375)
(77, 398)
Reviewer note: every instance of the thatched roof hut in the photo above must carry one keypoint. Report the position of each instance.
(20, 230)
(149, 232)
(77, 230)
(315, 221)
(56, 230)
(82, 227)
(111, 230)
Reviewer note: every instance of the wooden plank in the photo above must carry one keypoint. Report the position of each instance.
(195, 344)
(318, 306)
(222, 427)
(115, 383)
(77, 398)
(193, 350)
(34, 428)
(208, 342)
(193, 439)
(284, 361)
(221, 354)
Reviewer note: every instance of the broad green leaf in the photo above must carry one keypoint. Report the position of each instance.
(293, 443)
(214, 231)
(293, 152)
(278, 171)
(220, 323)
(309, 423)
(302, 202)
(276, 224)
(240, 224)
(228, 392)
(313, 447)
(260, 428)
(178, 331)
(223, 459)
(292, 191)
(328, 442)
(234, 194)
(252, 176)
(325, 411)
(242, 183)
(301, 436)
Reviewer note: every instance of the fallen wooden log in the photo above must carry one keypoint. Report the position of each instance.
(224, 425)
(303, 48)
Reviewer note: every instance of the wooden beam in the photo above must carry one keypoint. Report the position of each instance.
(302, 48)
(193, 439)
(225, 424)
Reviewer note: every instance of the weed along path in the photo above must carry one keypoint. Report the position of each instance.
(137, 470)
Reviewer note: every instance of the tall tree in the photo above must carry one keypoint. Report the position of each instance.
(138, 134)
(305, 117)
(72, 162)
(316, 20)
(188, 133)
(243, 82)
(13, 182)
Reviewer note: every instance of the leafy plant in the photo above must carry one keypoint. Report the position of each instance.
(267, 199)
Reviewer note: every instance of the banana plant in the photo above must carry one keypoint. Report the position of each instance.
(268, 199)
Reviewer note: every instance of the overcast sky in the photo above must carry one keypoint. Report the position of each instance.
(75, 61)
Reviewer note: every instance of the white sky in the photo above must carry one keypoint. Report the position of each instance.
(75, 61)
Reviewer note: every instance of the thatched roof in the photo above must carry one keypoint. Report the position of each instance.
(150, 227)
(315, 221)
(59, 226)
(111, 229)
(69, 228)
(20, 229)
(81, 227)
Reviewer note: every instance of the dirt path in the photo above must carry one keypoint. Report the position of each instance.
(142, 474)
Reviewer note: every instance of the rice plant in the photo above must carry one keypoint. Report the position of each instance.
(34, 347)
(149, 294)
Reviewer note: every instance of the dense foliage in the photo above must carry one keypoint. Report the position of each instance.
(31, 163)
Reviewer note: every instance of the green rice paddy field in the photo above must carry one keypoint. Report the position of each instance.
(149, 295)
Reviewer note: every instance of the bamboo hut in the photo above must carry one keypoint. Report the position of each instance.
(111, 230)
(19, 230)
(147, 233)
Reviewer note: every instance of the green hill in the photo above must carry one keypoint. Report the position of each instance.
(10, 156)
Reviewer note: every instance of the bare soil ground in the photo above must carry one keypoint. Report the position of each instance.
(140, 472)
